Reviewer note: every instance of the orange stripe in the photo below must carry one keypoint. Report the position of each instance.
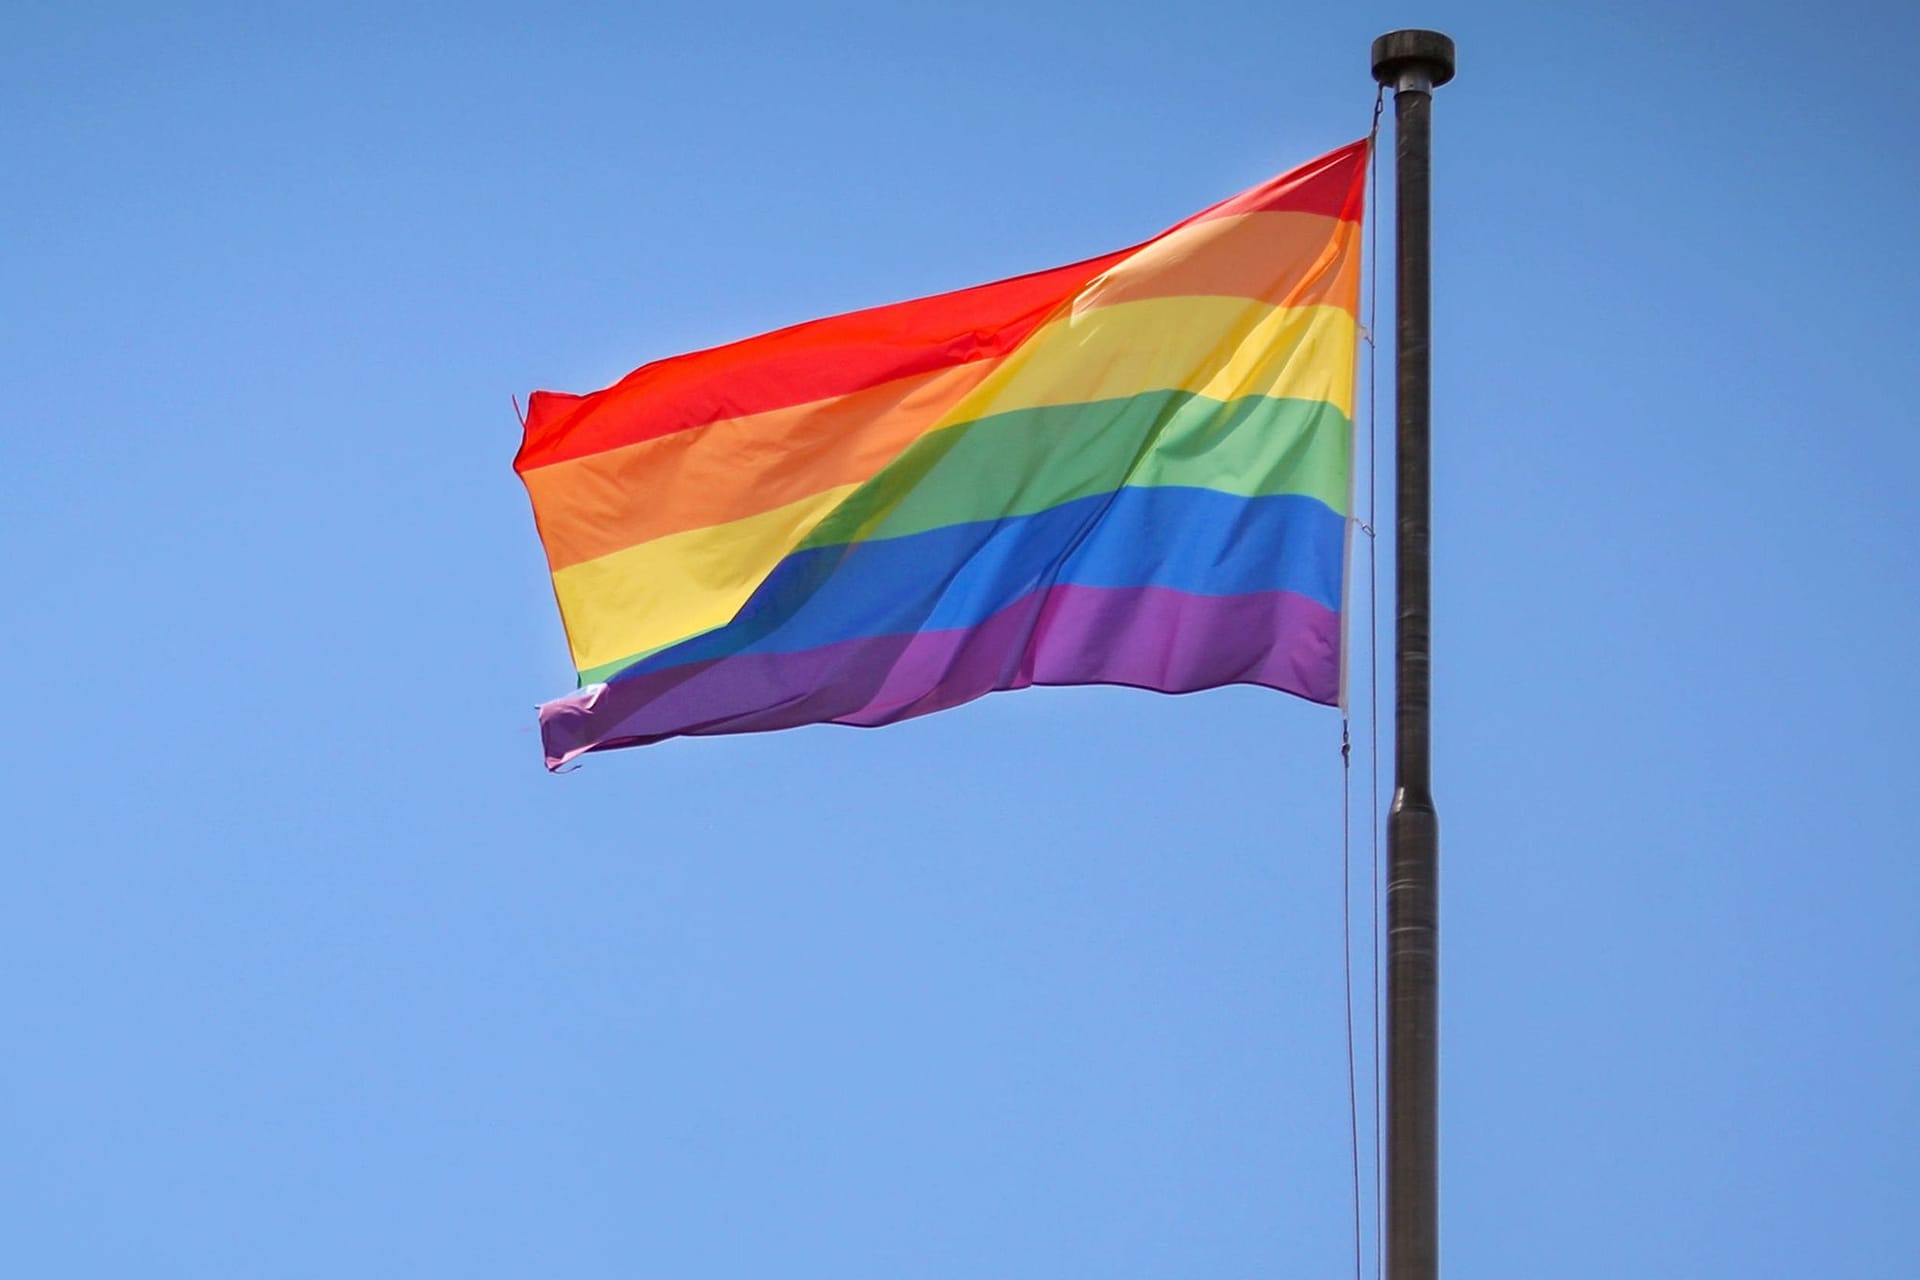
(1281, 259)
(591, 506)
(588, 507)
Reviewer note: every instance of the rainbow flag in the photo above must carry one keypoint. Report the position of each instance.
(1132, 470)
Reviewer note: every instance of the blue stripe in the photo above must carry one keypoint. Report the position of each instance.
(1199, 541)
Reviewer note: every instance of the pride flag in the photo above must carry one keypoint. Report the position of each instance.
(1132, 470)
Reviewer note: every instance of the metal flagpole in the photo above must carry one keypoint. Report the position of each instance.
(1413, 64)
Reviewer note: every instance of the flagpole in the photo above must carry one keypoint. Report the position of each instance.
(1413, 64)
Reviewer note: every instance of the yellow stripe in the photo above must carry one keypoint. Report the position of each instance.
(1219, 347)
(674, 587)
(678, 586)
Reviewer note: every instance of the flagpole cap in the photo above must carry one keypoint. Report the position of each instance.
(1426, 55)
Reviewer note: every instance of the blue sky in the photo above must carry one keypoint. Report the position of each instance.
(308, 968)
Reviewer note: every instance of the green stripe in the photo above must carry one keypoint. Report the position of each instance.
(1019, 463)
(1023, 462)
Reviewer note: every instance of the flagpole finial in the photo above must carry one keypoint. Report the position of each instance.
(1413, 59)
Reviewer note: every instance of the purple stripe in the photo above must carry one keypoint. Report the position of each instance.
(1147, 637)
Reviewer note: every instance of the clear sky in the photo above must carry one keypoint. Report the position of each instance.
(309, 970)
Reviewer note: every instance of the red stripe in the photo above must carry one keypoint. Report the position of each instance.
(814, 361)
(822, 359)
